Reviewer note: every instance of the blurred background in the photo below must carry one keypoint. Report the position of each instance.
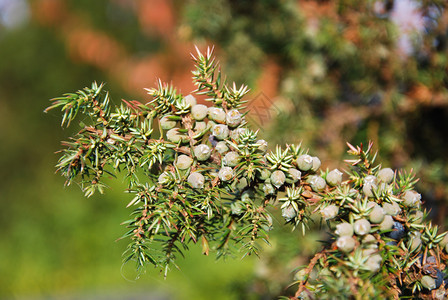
(321, 72)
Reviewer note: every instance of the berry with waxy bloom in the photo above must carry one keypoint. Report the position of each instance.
(329, 212)
(345, 243)
(237, 208)
(391, 209)
(411, 199)
(373, 263)
(263, 146)
(428, 282)
(166, 123)
(334, 177)
(415, 243)
(304, 162)
(268, 189)
(196, 180)
(217, 114)
(444, 241)
(278, 178)
(344, 229)
(293, 175)
(386, 175)
(368, 189)
(233, 118)
(236, 133)
(199, 112)
(317, 183)
(440, 278)
(202, 152)
(222, 147)
(231, 159)
(362, 227)
(316, 164)
(226, 174)
(200, 126)
(398, 231)
(377, 214)
(190, 100)
(163, 178)
(370, 179)
(173, 135)
(289, 213)
(263, 174)
(370, 241)
(183, 162)
(387, 223)
(220, 131)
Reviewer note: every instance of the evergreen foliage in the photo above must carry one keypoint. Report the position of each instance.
(208, 179)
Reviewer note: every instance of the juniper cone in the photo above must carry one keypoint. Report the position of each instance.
(223, 190)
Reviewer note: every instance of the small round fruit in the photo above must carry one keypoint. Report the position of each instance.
(216, 114)
(387, 223)
(233, 118)
(370, 179)
(411, 199)
(202, 152)
(200, 127)
(175, 136)
(439, 279)
(362, 227)
(263, 174)
(391, 209)
(428, 282)
(368, 189)
(293, 175)
(344, 229)
(417, 217)
(316, 164)
(226, 174)
(373, 263)
(444, 241)
(236, 134)
(317, 183)
(231, 159)
(415, 243)
(268, 189)
(199, 112)
(163, 178)
(345, 243)
(190, 100)
(304, 162)
(377, 214)
(166, 123)
(334, 177)
(386, 175)
(329, 212)
(278, 178)
(183, 162)
(263, 146)
(221, 147)
(220, 131)
(370, 242)
(398, 231)
(289, 213)
(196, 180)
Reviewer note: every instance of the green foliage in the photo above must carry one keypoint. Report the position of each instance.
(188, 190)
(343, 71)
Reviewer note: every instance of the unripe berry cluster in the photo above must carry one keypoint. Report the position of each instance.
(208, 178)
